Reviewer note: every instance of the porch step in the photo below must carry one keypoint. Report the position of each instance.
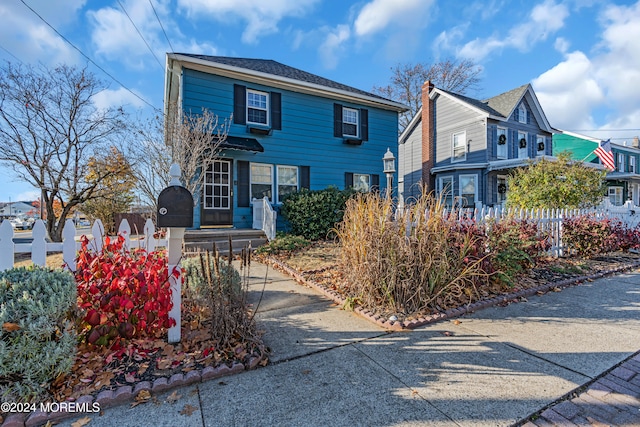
(203, 240)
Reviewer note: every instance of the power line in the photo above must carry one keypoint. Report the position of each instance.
(140, 34)
(6, 50)
(89, 59)
(161, 26)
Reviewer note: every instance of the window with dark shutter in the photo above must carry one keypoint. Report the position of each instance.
(276, 111)
(375, 182)
(243, 184)
(239, 104)
(364, 124)
(348, 180)
(305, 177)
(337, 120)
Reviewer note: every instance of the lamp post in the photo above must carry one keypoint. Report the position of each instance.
(389, 164)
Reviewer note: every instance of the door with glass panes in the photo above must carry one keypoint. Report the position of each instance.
(217, 194)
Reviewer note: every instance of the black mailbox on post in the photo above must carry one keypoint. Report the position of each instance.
(175, 207)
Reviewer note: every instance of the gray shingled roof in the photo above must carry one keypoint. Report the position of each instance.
(506, 102)
(277, 69)
(501, 105)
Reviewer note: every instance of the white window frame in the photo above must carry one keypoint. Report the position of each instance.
(621, 162)
(358, 185)
(475, 188)
(297, 184)
(522, 113)
(441, 185)
(347, 118)
(251, 181)
(264, 108)
(632, 164)
(454, 147)
(615, 196)
(524, 150)
(539, 139)
(504, 146)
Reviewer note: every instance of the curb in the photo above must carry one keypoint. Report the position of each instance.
(127, 393)
(408, 325)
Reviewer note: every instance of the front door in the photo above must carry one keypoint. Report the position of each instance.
(217, 195)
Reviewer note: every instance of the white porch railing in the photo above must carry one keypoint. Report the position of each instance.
(40, 247)
(264, 217)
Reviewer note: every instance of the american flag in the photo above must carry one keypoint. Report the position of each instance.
(606, 156)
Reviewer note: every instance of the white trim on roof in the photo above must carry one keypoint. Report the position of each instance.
(282, 82)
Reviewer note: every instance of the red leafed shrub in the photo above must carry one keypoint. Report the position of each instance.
(125, 294)
(588, 235)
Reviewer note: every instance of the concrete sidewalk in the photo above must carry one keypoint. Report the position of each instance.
(496, 367)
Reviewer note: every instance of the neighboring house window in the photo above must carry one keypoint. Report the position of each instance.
(468, 190)
(540, 145)
(287, 181)
(620, 162)
(522, 113)
(261, 181)
(523, 150)
(632, 164)
(501, 151)
(615, 196)
(257, 107)
(502, 190)
(349, 122)
(459, 147)
(445, 190)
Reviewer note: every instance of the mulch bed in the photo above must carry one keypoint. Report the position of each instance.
(551, 274)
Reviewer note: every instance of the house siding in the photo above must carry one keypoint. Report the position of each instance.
(410, 165)
(452, 117)
(306, 137)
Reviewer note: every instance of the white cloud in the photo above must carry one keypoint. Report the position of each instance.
(30, 40)
(545, 19)
(115, 98)
(262, 17)
(607, 81)
(379, 14)
(561, 45)
(333, 45)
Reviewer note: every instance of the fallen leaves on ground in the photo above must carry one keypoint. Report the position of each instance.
(188, 410)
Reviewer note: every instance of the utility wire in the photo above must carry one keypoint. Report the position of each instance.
(140, 34)
(89, 59)
(161, 26)
(6, 50)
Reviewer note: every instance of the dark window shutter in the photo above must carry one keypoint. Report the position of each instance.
(243, 184)
(305, 177)
(276, 111)
(364, 124)
(337, 120)
(348, 180)
(516, 114)
(528, 117)
(239, 104)
(375, 182)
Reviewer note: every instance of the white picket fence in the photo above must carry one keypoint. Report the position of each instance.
(549, 221)
(40, 247)
(264, 217)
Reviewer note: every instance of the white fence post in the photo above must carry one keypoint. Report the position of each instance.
(6, 246)
(174, 254)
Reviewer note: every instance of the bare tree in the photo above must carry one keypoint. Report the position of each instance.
(189, 140)
(50, 128)
(407, 80)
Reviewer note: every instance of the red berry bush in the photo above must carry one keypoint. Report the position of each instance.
(123, 294)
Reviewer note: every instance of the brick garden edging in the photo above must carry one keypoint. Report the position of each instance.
(127, 393)
(450, 313)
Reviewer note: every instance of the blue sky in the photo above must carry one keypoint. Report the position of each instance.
(581, 56)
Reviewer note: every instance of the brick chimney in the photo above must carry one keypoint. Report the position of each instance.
(636, 142)
(428, 152)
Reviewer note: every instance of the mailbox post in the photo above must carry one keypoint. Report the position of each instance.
(175, 212)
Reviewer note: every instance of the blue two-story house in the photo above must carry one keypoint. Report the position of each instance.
(290, 130)
(463, 148)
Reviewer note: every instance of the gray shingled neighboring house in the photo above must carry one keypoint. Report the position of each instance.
(463, 148)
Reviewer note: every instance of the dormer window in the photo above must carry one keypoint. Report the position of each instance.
(522, 113)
